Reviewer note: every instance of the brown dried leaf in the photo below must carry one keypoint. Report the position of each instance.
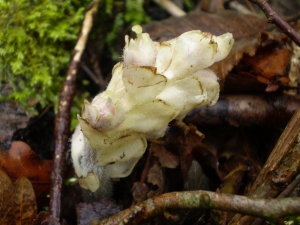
(157, 178)
(233, 181)
(13, 118)
(139, 191)
(166, 158)
(89, 212)
(21, 161)
(248, 32)
(269, 67)
(240, 25)
(17, 201)
(196, 179)
(188, 141)
(269, 64)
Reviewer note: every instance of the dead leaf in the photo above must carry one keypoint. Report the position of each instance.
(157, 178)
(21, 161)
(248, 32)
(269, 64)
(13, 118)
(269, 67)
(17, 201)
(240, 25)
(139, 191)
(166, 158)
(88, 212)
(196, 179)
(188, 141)
(233, 181)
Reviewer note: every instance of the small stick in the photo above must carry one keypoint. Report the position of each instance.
(89, 73)
(265, 208)
(171, 8)
(273, 17)
(286, 192)
(62, 122)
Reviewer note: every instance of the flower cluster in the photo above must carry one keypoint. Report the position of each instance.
(155, 83)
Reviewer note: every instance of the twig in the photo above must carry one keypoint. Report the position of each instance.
(240, 8)
(62, 123)
(273, 17)
(89, 73)
(265, 208)
(280, 167)
(247, 110)
(171, 8)
(286, 192)
(97, 70)
(40, 115)
(250, 6)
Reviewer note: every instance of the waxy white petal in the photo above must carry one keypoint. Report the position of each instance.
(142, 83)
(149, 117)
(156, 83)
(141, 51)
(225, 43)
(210, 84)
(193, 51)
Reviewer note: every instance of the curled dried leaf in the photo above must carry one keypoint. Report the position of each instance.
(157, 178)
(21, 161)
(166, 158)
(17, 201)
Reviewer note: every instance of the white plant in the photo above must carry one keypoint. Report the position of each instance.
(155, 83)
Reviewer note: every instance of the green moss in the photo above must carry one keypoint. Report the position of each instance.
(36, 41)
(37, 38)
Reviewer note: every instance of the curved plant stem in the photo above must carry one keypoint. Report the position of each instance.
(62, 122)
(273, 17)
(264, 208)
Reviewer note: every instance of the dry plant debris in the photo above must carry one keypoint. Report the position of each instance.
(62, 123)
(269, 67)
(265, 208)
(184, 151)
(248, 32)
(247, 110)
(21, 161)
(17, 201)
(166, 158)
(13, 118)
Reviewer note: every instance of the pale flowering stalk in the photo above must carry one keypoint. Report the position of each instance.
(155, 83)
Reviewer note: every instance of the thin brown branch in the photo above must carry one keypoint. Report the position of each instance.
(289, 189)
(247, 110)
(89, 73)
(273, 17)
(62, 123)
(250, 6)
(97, 70)
(265, 208)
